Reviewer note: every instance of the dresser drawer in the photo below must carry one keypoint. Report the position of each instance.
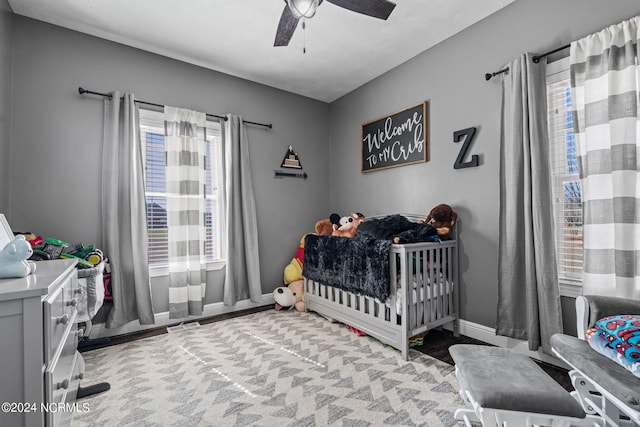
(61, 376)
(72, 392)
(59, 308)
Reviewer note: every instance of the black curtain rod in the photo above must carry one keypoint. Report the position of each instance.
(489, 75)
(535, 59)
(82, 91)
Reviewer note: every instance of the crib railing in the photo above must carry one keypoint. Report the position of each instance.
(423, 294)
(424, 278)
(427, 276)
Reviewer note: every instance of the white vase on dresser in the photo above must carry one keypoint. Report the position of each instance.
(40, 367)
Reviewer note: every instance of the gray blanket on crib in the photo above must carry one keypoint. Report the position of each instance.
(359, 264)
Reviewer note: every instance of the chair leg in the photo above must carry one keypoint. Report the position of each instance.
(593, 403)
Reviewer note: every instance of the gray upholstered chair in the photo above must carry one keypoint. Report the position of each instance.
(602, 386)
(502, 388)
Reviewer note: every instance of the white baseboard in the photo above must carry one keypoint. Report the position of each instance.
(488, 335)
(162, 319)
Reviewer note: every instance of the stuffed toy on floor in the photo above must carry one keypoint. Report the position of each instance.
(293, 270)
(290, 297)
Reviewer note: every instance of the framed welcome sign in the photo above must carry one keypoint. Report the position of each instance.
(397, 139)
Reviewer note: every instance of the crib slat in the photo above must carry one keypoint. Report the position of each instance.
(393, 296)
(449, 281)
(424, 288)
(405, 318)
(411, 299)
(427, 289)
(438, 283)
(431, 275)
(417, 286)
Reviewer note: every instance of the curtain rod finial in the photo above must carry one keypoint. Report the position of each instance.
(488, 76)
(81, 90)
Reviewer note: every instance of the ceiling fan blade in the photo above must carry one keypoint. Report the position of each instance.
(377, 8)
(286, 28)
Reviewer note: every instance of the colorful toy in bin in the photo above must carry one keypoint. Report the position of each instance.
(30, 237)
(87, 253)
(87, 256)
(95, 257)
(53, 247)
(106, 276)
(81, 262)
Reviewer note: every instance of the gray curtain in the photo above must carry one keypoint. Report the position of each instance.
(124, 218)
(605, 89)
(242, 275)
(528, 293)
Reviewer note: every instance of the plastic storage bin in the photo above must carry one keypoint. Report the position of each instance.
(90, 281)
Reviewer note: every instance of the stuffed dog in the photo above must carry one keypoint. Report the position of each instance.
(291, 296)
(348, 225)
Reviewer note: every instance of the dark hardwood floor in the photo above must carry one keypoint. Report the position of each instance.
(436, 343)
(88, 345)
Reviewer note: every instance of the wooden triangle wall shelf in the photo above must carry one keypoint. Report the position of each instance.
(290, 161)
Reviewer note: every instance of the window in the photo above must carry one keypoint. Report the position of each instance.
(152, 136)
(567, 199)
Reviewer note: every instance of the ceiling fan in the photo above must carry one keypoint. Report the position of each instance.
(297, 9)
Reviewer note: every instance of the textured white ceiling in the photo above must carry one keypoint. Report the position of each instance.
(344, 49)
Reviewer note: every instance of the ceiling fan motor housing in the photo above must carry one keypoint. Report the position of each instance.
(303, 8)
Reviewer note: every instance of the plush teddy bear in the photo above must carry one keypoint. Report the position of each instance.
(293, 270)
(348, 225)
(324, 227)
(443, 218)
(13, 259)
(291, 296)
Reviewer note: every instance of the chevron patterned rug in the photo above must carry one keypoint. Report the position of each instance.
(266, 369)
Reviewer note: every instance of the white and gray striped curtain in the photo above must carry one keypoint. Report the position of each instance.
(185, 148)
(604, 80)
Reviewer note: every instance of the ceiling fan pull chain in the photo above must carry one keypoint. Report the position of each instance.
(304, 34)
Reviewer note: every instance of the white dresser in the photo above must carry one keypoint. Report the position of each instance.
(40, 367)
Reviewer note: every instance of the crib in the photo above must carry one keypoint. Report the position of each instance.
(423, 295)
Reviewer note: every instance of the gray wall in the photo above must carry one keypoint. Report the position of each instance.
(57, 136)
(6, 40)
(450, 77)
